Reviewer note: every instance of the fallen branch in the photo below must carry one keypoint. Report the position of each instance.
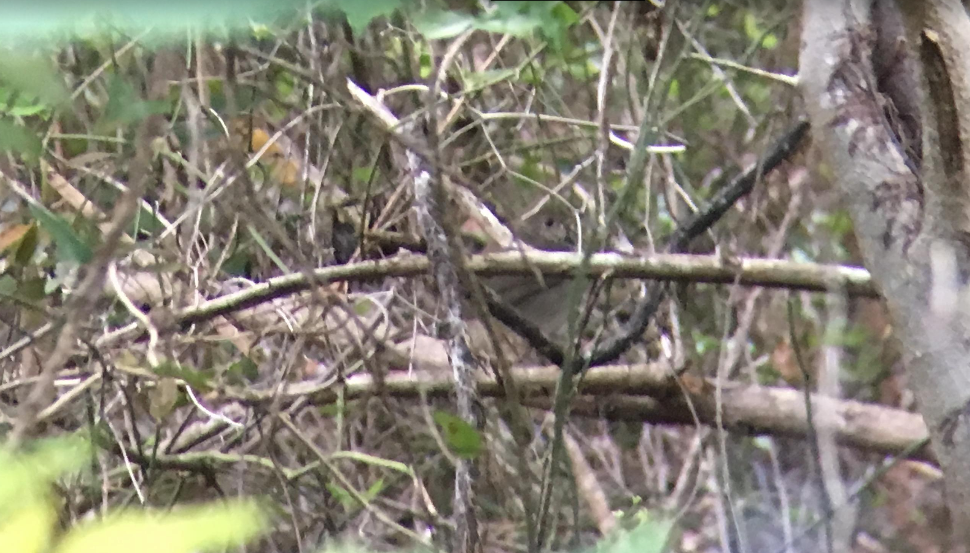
(648, 393)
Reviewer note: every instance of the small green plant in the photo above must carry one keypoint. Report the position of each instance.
(29, 517)
(645, 535)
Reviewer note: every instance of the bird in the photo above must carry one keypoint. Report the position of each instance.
(539, 299)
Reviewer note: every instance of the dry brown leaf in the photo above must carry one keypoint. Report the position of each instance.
(11, 236)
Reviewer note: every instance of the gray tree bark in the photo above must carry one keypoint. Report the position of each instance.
(901, 160)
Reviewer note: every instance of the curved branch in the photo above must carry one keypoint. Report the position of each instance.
(678, 241)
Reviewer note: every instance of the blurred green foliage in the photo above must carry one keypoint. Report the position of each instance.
(29, 513)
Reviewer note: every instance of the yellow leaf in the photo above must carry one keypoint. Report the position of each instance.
(184, 530)
(284, 169)
(28, 528)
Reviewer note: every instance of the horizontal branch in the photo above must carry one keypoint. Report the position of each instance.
(649, 393)
(667, 267)
(684, 268)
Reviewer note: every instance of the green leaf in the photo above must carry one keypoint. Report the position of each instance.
(244, 370)
(8, 285)
(751, 28)
(460, 436)
(360, 14)
(32, 76)
(649, 536)
(564, 14)
(125, 106)
(436, 25)
(19, 140)
(69, 244)
(341, 495)
(519, 18)
(184, 530)
(375, 489)
(673, 91)
(362, 175)
(13, 102)
(191, 376)
(424, 65)
(515, 24)
(32, 290)
(23, 20)
(510, 17)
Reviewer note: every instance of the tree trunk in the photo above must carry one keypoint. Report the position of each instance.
(901, 162)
